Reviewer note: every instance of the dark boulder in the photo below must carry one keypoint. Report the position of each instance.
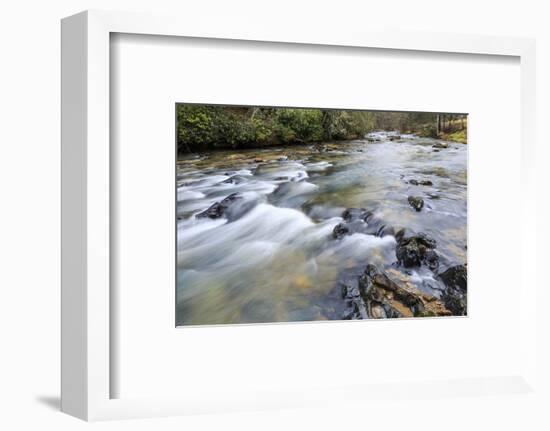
(360, 220)
(455, 295)
(415, 250)
(456, 302)
(456, 277)
(232, 207)
(431, 259)
(403, 233)
(353, 222)
(416, 202)
(216, 210)
(340, 230)
(420, 182)
(352, 214)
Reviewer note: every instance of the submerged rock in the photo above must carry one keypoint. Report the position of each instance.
(292, 194)
(235, 179)
(232, 207)
(339, 231)
(440, 145)
(361, 220)
(420, 182)
(416, 202)
(352, 214)
(385, 230)
(455, 295)
(415, 250)
(353, 222)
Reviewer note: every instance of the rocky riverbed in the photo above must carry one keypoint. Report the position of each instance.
(371, 228)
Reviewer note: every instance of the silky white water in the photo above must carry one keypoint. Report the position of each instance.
(277, 260)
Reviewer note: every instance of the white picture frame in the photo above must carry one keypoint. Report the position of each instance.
(86, 311)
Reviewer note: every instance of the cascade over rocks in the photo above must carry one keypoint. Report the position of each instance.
(231, 207)
(235, 179)
(361, 220)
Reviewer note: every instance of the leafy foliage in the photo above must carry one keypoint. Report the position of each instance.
(298, 125)
(206, 127)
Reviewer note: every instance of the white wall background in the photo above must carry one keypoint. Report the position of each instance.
(30, 182)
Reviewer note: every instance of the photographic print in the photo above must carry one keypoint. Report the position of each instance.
(305, 214)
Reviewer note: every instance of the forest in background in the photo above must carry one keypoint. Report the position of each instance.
(207, 127)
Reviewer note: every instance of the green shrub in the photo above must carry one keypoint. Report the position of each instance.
(429, 131)
(298, 125)
(206, 127)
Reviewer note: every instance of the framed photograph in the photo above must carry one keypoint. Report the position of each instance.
(243, 210)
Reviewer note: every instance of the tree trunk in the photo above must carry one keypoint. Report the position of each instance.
(254, 112)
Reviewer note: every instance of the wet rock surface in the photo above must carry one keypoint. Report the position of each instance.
(416, 202)
(340, 230)
(416, 250)
(379, 295)
(355, 307)
(455, 295)
(231, 207)
(361, 220)
(352, 214)
(420, 182)
(377, 289)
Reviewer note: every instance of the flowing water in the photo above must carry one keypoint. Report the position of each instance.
(274, 259)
